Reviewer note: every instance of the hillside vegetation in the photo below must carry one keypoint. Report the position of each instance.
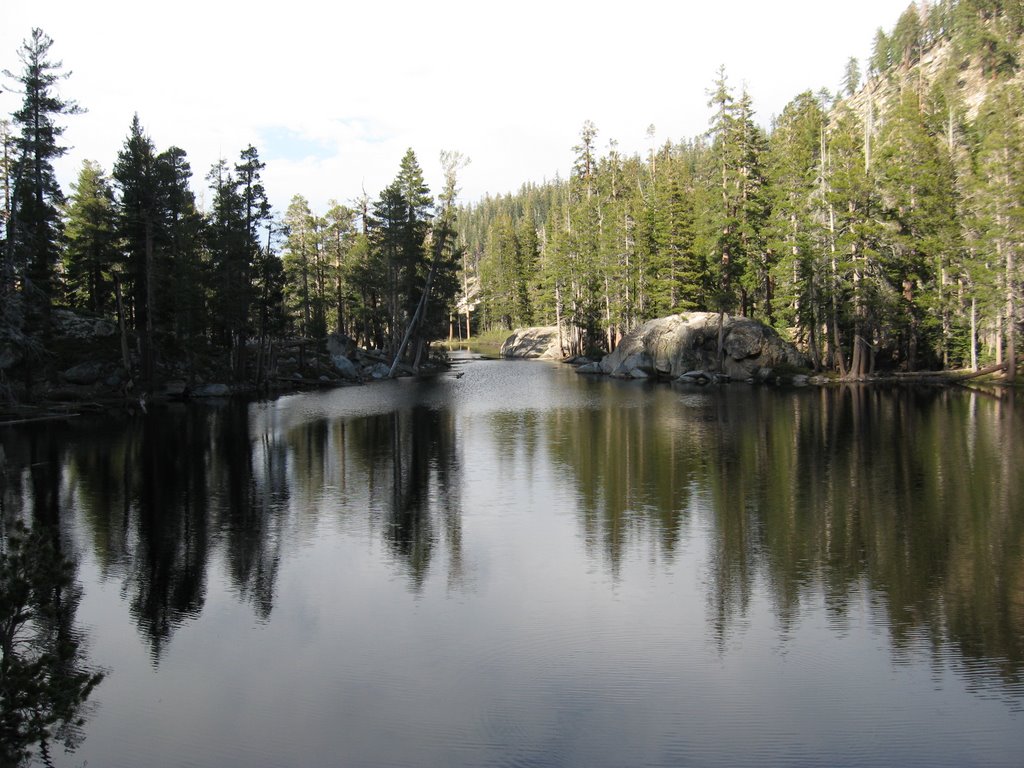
(877, 227)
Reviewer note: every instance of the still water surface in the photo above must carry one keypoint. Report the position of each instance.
(523, 567)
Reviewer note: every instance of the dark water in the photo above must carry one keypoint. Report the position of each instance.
(522, 567)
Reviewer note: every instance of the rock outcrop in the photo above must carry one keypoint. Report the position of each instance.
(672, 346)
(79, 326)
(538, 342)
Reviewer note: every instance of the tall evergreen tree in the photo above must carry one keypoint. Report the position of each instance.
(140, 211)
(339, 235)
(851, 76)
(402, 218)
(795, 164)
(91, 232)
(34, 225)
(300, 264)
(917, 184)
(999, 202)
(182, 272)
(255, 211)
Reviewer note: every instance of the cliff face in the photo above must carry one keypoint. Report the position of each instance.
(961, 77)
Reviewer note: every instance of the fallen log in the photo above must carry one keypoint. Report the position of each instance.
(43, 417)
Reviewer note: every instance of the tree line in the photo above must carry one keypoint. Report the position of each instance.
(219, 284)
(878, 227)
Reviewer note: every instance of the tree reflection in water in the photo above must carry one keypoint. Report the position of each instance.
(45, 681)
(855, 499)
(826, 492)
(411, 464)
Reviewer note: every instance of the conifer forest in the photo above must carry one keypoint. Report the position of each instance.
(879, 228)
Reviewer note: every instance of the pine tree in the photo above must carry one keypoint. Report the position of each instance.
(678, 280)
(402, 218)
(917, 184)
(498, 273)
(734, 217)
(6, 176)
(339, 234)
(34, 225)
(999, 203)
(528, 251)
(299, 263)
(229, 250)
(794, 231)
(136, 175)
(91, 231)
(181, 272)
(881, 53)
(255, 212)
(851, 76)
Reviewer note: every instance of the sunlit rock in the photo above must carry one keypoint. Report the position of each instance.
(675, 345)
(537, 342)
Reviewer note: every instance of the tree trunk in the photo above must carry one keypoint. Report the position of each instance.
(125, 356)
(720, 363)
(1011, 319)
(974, 334)
(147, 333)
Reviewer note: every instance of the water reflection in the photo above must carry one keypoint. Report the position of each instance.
(410, 458)
(904, 504)
(915, 495)
(45, 677)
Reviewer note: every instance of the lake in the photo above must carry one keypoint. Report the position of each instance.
(512, 565)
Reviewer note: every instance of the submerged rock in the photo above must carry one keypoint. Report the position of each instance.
(211, 390)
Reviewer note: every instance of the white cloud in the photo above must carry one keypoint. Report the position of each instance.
(332, 96)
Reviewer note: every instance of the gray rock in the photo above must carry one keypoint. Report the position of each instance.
(677, 344)
(174, 388)
(590, 368)
(9, 357)
(84, 373)
(639, 361)
(212, 390)
(68, 323)
(536, 342)
(694, 377)
(800, 380)
(377, 371)
(340, 344)
(346, 368)
(638, 373)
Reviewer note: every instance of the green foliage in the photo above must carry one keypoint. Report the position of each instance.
(91, 231)
(877, 229)
(35, 227)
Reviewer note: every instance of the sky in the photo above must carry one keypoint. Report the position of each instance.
(333, 94)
